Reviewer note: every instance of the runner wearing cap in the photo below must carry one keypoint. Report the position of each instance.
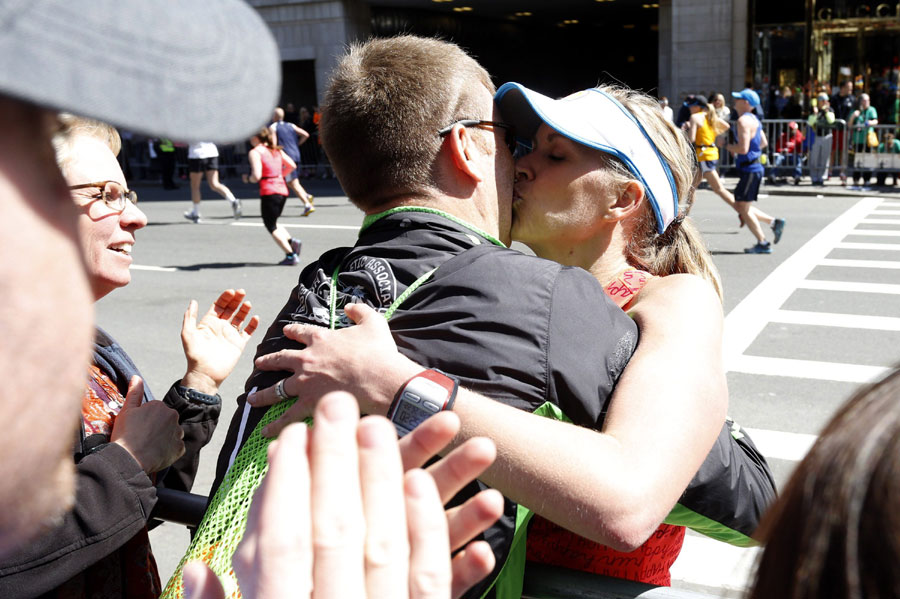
(751, 140)
(703, 129)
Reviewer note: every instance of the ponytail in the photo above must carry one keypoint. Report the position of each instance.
(718, 125)
(265, 137)
(679, 249)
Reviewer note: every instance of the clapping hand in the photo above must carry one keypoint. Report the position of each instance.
(337, 514)
(213, 345)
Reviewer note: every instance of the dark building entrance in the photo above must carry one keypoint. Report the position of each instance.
(298, 83)
(555, 51)
(827, 42)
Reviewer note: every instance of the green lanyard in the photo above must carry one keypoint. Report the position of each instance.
(371, 219)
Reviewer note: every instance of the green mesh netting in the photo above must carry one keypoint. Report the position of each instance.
(223, 525)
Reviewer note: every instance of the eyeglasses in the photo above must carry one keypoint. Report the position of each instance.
(509, 132)
(112, 193)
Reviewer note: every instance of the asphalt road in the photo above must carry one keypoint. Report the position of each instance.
(804, 325)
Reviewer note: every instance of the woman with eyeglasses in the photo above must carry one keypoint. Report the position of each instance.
(129, 443)
(606, 187)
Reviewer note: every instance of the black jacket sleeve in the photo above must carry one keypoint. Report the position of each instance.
(198, 421)
(729, 494)
(114, 497)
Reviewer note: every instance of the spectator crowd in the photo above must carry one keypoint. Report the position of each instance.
(820, 131)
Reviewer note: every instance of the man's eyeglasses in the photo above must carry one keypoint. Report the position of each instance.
(509, 132)
(112, 193)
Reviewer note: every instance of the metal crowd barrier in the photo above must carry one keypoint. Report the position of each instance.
(140, 165)
(541, 582)
(179, 507)
(784, 161)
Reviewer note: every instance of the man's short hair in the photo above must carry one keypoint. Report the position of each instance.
(383, 107)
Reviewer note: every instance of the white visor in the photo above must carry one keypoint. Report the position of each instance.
(595, 119)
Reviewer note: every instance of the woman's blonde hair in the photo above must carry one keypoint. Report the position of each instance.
(680, 248)
(712, 117)
(71, 126)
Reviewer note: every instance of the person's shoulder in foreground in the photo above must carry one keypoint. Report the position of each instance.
(833, 531)
(122, 74)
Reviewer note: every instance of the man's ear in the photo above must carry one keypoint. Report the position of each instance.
(464, 152)
(628, 201)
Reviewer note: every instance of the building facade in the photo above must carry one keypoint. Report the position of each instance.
(664, 47)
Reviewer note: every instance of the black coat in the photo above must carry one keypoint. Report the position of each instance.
(114, 499)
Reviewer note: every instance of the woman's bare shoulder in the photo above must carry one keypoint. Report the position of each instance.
(679, 294)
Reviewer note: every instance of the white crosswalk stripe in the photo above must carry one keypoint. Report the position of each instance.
(849, 286)
(881, 221)
(893, 264)
(826, 319)
(805, 369)
(875, 232)
(880, 247)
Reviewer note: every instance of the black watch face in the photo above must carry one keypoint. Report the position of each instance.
(409, 415)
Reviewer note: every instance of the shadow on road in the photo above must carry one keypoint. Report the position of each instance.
(702, 232)
(222, 265)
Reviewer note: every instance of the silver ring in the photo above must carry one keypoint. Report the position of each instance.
(279, 391)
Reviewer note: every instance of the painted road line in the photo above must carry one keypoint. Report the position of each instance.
(879, 212)
(849, 245)
(828, 319)
(153, 268)
(850, 286)
(875, 233)
(860, 263)
(293, 226)
(881, 221)
(744, 323)
(780, 445)
(711, 566)
(806, 369)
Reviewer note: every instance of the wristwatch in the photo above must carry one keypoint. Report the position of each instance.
(193, 394)
(422, 396)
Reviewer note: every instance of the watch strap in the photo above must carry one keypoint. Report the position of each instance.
(450, 383)
(194, 395)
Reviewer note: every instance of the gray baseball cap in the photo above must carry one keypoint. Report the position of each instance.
(185, 69)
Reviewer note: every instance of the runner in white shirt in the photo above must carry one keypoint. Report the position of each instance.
(203, 157)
